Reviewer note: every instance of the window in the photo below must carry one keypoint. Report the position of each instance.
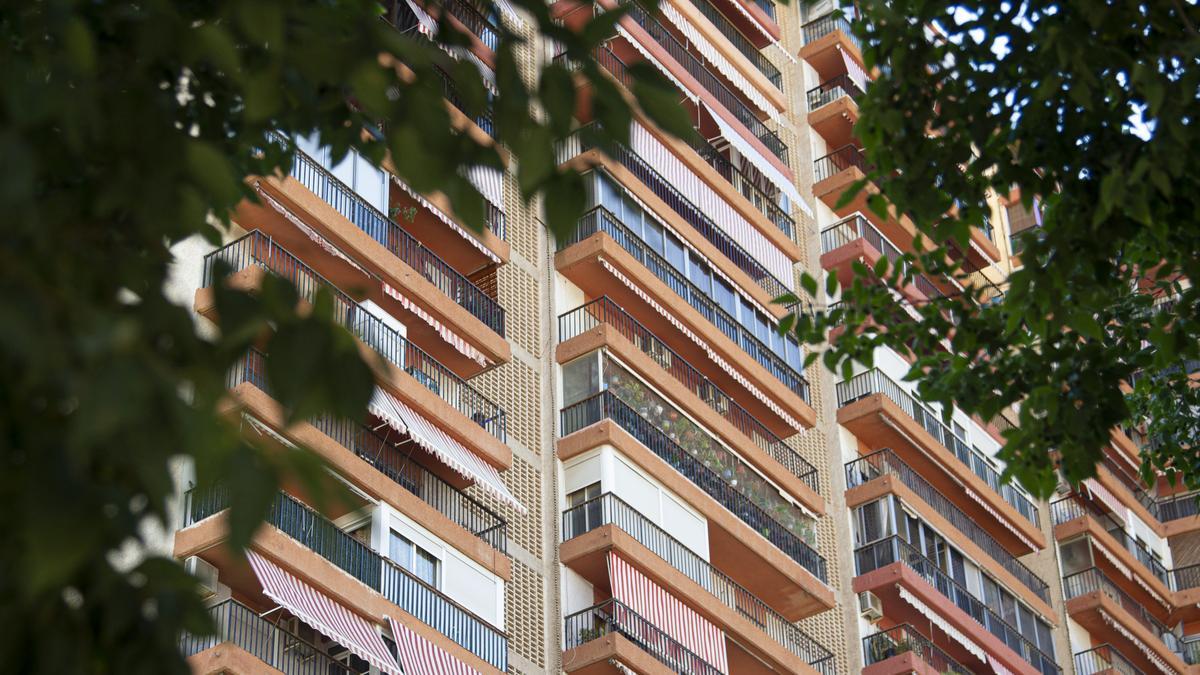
(581, 379)
(421, 563)
(870, 522)
(673, 252)
(653, 236)
(699, 274)
(583, 519)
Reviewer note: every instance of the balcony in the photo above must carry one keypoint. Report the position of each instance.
(1104, 660)
(1111, 615)
(486, 122)
(882, 463)
(469, 15)
(241, 627)
(605, 312)
(825, 38)
(750, 621)
(869, 398)
(903, 649)
(255, 252)
(856, 239)
(607, 633)
(400, 468)
(600, 220)
(833, 110)
(764, 510)
(761, 200)
(891, 563)
(740, 41)
(316, 533)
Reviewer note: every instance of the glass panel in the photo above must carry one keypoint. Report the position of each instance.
(370, 183)
(654, 236)
(674, 252)
(581, 379)
(725, 297)
(699, 274)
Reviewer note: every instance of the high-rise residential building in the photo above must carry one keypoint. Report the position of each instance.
(597, 454)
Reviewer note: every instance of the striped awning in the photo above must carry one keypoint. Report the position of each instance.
(489, 181)
(325, 615)
(421, 657)
(667, 613)
(445, 332)
(754, 157)
(641, 49)
(936, 619)
(383, 405)
(450, 222)
(449, 451)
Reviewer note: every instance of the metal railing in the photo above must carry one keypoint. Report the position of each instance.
(751, 191)
(894, 549)
(483, 120)
(845, 157)
(258, 250)
(820, 27)
(369, 446)
(874, 381)
(1179, 506)
(856, 226)
(398, 242)
(767, 6)
(606, 405)
(740, 41)
(710, 82)
(604, 311)
(609, 509)
(1133, 485)
(887, 463)
(1094, 580)
(614, 617)
(470, 16)
(600, 219)
(904, 639)
(831, 90)
(237, 624)
(1104, 659)
(315, 532)
(662, 188)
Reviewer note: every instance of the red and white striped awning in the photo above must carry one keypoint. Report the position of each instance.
(450, 222)
(325, 615)
(667, 613)
(449, 451)
(449, 336)
(421, 657)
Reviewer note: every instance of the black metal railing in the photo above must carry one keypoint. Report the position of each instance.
(762, 201)
(1133, 485)
(831, 90)
(456, 505)
(483, 120)
(470, 16)
(894, 549)
(767, 6)
(1179, 506)
(606, 405)
(612, 617)
(609, 509)
(875, 382)
(237, 624)
(845, 157)
(887, 463)
(1094, 580)
(604, 311)
(904, 639)
(856, 227)
(258, 250)
(315, 532)
(662, 188)
(820, 27)
(1104, 659)
(399, 242)
(600, 219)
(740, 41)
(710, 82)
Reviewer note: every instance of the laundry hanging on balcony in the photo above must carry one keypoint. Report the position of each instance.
(656, 63)
(449, 451)
(330, 618)
(769, 170)
(421, 657)
(442, 216)
(450, 337)
(667, 613)
(428, 27)
(937, 620)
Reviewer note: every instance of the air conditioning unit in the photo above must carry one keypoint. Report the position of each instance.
(870, 606)
(206, 574)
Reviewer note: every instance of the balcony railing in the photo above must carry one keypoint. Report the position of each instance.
(1104, 659)
(313, 531)
(831, 90)
(612, 617)
(600, 219)
(886, 463)
(722, 483)
(875, 382)
(400, 243)
(856, 227)
(609, 509)
(904, 639)
(1133, 485)
(239, 625)
(752, 192)
(709, 81)
(605, 311)
(258, 250)
(372, 448)
(767, 6)
(740, 41)
(578, 143)
(1094, 580)
(468, 13)
(484, 120)
(894, 549)
(845, 157)
(820, 27)
(1178, 506)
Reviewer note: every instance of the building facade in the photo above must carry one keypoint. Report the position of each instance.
(597, 454)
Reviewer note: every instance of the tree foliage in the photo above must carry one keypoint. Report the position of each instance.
(1090, 108)
(128, 128)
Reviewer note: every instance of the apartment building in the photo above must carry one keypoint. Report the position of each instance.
(597, 454)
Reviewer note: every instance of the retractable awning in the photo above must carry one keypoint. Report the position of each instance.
(327, 616)
(421, 657)
(761, 163)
